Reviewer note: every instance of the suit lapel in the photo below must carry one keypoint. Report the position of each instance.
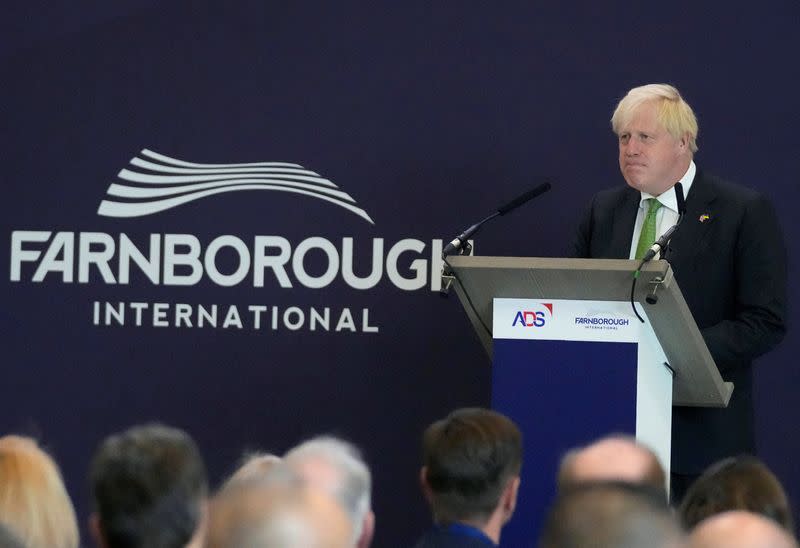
(624, 221)
(700, 216)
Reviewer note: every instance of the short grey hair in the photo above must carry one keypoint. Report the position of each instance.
(354, 481)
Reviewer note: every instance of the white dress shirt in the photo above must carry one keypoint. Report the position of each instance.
(667, 215)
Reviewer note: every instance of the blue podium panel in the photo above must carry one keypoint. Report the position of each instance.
(544, 386)
(569, 372)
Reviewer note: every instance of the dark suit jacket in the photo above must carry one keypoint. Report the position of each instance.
(441, 538)
(731, 268)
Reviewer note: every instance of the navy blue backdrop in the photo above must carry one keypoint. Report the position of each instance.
(426, 116)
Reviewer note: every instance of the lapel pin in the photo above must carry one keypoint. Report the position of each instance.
(704, 217)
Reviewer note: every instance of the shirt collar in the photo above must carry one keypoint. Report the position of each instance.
(668, 198)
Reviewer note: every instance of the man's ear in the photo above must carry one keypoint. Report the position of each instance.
(509, 497)
(367, 531)
(96, 531)
(423, 483)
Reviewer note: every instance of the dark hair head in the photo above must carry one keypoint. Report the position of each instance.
(148, 485)
(606, 514)
(469, 456)
(736, 483)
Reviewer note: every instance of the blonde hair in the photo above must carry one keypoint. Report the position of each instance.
(34, 503)
(674, 113)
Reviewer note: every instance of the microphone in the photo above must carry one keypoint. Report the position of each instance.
(518, 201)
(663, 241)
(681, 199)
(459, 241)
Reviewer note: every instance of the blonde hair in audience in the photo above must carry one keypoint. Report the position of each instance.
(674, 113)
(34, 504)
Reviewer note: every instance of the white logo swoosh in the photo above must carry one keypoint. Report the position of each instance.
(153, 183)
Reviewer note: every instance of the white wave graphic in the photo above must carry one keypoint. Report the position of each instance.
(172, 161)
(123, 191)
(136, 177)
(172, 182)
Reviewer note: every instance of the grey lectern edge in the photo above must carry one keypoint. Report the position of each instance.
(697, 380)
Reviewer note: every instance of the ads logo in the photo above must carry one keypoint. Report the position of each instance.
(153, 183)
(534, 318)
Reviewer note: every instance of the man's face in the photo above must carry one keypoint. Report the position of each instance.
(651, 160)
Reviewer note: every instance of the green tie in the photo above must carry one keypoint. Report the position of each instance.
(648, 236)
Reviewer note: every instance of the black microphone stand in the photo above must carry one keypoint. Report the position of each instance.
(663, 245)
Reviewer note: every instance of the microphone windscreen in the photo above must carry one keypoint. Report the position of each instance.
(530, 195)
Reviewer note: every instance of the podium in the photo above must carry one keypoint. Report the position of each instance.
(571, 362)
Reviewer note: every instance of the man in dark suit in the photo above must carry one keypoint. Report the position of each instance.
(728, 257)
(470, 476)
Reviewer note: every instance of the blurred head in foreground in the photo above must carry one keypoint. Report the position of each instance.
(149, 485)
(337, 468)
(613, 458)
(471, 469)
(277, 514)
(611, 515)
(34, 504)
(739, 483)
(255, 467)
(740, 529)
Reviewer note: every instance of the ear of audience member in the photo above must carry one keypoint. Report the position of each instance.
(150, 486)
(471, 471)
(255, 467)
(613, 458)
(34, 504)
(614, 514)
(337, 468)
(740, 529)
(740, 483)
(277, 514)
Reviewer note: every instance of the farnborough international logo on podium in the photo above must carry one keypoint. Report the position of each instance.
(152, 184)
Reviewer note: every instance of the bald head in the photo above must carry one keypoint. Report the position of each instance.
(611, 515)
(255, 467)
(336, 467)
(258, 515)
(617, 458)
(739, 529)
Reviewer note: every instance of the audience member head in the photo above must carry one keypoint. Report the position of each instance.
(337, 468)
(34, 504)
(471, 466)
(277, 514)
(611, 515)
(737, 483)
(255, 467)
(613, 458)
(149, 486)
(740, 529)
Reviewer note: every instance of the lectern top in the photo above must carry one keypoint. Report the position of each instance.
(697, 379)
